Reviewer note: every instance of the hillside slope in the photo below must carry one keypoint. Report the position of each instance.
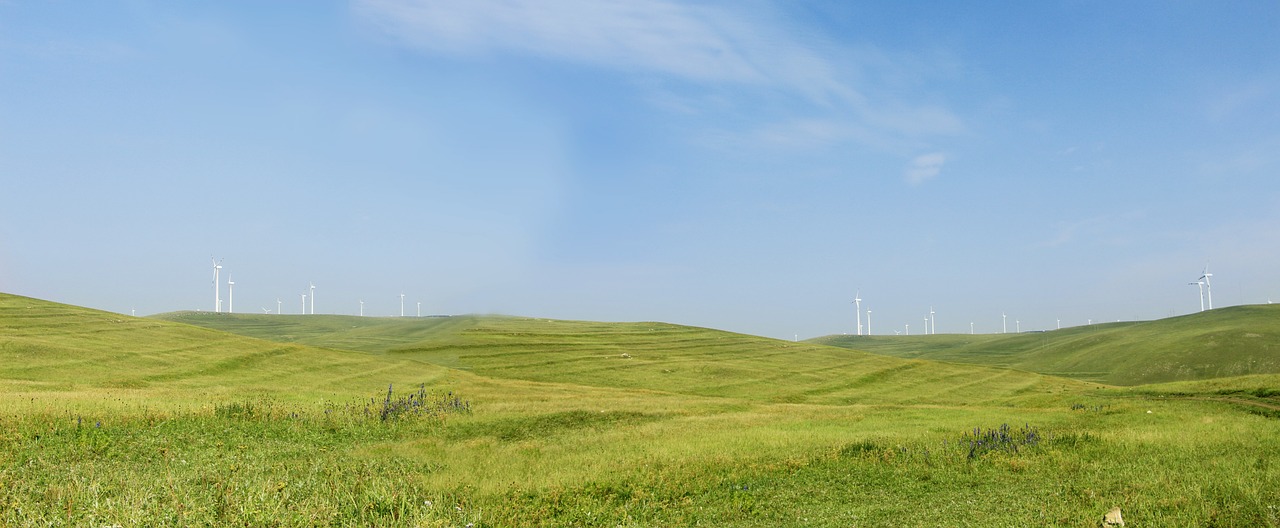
(650, 356)
(1234, 341)
(51, 350)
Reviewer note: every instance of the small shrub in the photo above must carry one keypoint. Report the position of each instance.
(1003, 438)
(415, 404)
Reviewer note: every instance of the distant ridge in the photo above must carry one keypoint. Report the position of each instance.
(1225, 342)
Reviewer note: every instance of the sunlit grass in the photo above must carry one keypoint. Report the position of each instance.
(178, 425)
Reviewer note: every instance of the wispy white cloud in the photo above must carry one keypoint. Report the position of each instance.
(654, 35)
(924, 167)
(731, 45)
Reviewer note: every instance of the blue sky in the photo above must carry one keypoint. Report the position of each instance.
(748, 166)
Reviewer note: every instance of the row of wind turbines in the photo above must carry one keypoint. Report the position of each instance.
(311, 295)
(931, 325)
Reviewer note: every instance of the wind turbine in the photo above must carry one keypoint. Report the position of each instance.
(908, 328)
(361, 308)
(402, 305)
(217, 288)
(1017, 326)
(1004, 323)
(926, 326)
(419, 308)
(1208, 286)
(970, 327)
(231, 294)
(1059, 324)
(933, 323)
(1201, 285)
(265, 310)
(313, 298)
(277, 306)
(304, 304)
(857, 301)
(868, 321)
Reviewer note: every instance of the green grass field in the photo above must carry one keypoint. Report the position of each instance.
(1234, 341)
(277, 420)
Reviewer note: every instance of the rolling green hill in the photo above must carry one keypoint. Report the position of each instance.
(1225, 342)
(113, 420)
(650, 356)
(51, 350)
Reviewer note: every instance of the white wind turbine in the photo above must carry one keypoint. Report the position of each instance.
(217, 287)
(1208, 286)
(907, 327)
(933, 323)
(304, 304)
(313, 298)
(419, 308)
(265, 310)
(1017, 328)
(277, 306)
(231, 294)
(402, 305)
(857, 301)
(868, 321)
(926, 326)
(362, 308)
(1201, 285)
(1004, 323)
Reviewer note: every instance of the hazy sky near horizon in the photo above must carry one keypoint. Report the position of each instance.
(743, 165)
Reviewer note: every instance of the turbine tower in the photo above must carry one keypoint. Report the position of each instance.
(1208, 286)
(926, 326)
(868, 321)
(857, 301)
(231, 294)
(361, 308)
(1004, 323)
(277, 306)
(970, 327)
(217, 287)
(313, 298)
(1201, 285)
(304, 304)
(419, 308)
(908, 328)
(1017, 328)
(402, 305)
(933, 323)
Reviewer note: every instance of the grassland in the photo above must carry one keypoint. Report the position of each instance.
(1234, 341)
(113, 420)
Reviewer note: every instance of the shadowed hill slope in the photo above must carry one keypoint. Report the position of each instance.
(1225, 342)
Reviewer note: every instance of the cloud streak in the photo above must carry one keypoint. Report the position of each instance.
(711, 45)
(652, 35)
(924, 167)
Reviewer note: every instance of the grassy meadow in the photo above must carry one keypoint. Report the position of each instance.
(1226, 342)
(203, 419)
